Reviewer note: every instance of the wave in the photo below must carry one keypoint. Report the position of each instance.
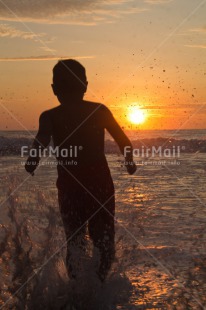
(12, 146)
(32, 249)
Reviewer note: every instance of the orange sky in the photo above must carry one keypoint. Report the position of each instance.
(149, 53)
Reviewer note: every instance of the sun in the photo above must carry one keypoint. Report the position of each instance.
(136, 115)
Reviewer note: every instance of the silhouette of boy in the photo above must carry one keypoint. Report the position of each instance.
(85, 186)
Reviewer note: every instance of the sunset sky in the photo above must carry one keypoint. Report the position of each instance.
(146, 53)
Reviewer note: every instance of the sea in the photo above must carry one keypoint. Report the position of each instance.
(160, 229)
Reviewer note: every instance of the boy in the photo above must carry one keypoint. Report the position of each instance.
(85, 186)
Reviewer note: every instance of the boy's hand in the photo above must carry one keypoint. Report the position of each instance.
(31, 165)
(131, 167)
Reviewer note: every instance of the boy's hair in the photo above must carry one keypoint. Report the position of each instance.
(69, 76)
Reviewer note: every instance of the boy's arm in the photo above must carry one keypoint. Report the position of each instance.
(41, 141)
(122, 140)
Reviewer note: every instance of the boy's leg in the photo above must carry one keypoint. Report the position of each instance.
(102, 232)
(74, 221)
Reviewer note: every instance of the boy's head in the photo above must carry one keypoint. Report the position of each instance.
(69, 78)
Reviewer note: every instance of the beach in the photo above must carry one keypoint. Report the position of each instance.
(160, 236)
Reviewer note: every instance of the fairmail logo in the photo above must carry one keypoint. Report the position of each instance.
(173, 152)
(72, 151)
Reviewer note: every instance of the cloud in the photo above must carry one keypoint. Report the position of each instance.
(44, 57)
(195, 34)
(199, 30)
(9, 31)
(197, 45)
(87, 12)
(158, 1)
